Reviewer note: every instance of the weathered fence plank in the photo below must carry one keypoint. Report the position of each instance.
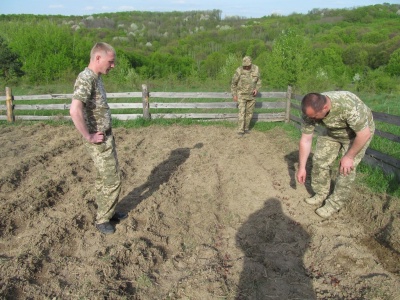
(37, 118)
(297, 121)
(163, 105)
(125, 95)
(41, 106)
(267, 117)
(395, 120)
(208, 95)
(272, 117)
(297, 97)
(295, 106)
(42, 97)
(384, 157)
(388, 135)
(177, 95)
(373, 161)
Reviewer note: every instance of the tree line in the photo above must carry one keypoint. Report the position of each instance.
(325, 48)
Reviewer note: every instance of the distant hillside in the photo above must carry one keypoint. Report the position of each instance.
(337, 44)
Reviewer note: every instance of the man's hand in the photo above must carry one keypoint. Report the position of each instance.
(96, 138)
(301, 176)
(347, 161)
(255, 93)
(346, 165)
(76, 112)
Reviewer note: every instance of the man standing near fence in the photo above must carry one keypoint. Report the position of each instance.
(349, 129)
(92, 118)
(244, 87)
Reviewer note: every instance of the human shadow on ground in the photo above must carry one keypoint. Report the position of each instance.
(273, 247)
(292, 160)
(159, 175)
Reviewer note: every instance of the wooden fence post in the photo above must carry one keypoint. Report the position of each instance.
(9, 105)
(145, 101)
(288, 100)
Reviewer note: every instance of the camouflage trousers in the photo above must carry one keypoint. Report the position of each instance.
(326, 153)
(108, 178)
(246, 109)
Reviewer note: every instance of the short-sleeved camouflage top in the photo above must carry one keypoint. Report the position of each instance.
(244, 82)
(347, 116)
(90, 90)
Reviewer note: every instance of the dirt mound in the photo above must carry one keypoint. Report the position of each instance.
(211, 216)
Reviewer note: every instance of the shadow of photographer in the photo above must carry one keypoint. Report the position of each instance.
(273, 247)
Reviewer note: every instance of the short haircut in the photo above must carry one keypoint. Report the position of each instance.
(101, 47)
(314, 100)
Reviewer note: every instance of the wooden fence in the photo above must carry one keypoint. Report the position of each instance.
(283, 105)
(288, 111)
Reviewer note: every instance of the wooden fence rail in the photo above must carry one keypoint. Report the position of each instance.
(289, 103)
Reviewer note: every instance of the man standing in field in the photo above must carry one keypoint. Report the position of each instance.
(244, 87)
(92, 118)
(349, 129)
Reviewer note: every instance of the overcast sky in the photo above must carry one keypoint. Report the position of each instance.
(242, 8)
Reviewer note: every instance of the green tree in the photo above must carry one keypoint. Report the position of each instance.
(329, 61)
(212, 64)
(393, 67)
(162, 65)
(377, 81)
(289, 60)
(123, 72)
(375, 37)
(46, 49)
(255, 48)
(232, 62)
(355, 55)
(10, 64)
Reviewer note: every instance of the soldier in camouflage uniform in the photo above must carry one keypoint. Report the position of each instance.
(349, 129)
(92, 117)
(244, 87)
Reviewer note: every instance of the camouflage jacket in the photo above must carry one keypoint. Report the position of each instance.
(90, 90)
(244, 82)
(347, 116)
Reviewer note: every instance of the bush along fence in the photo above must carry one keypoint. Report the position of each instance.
(283, 107)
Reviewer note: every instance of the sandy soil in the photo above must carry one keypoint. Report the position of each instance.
(211, 216)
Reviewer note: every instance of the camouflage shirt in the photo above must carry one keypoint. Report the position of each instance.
(244, 82)
(90, 90)
(347, 116)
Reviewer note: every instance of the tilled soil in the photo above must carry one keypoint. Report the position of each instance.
(211, 216)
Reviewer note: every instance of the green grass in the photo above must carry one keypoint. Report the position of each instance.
(375, 180)
(385, 103)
